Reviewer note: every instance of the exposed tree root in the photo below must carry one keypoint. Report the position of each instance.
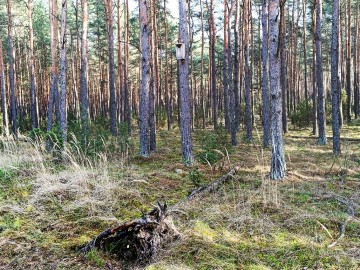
(139, 241)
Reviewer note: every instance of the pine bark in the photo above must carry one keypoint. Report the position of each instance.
(33, 86)
(120, 74)
(63, 66)
(278, 164)
(248, 113)
(5, 127)
(84, 71)
(314, 92)
(226, 66)
(127, 91)
(283, 68)
(348, 63)
(264, 58)
(154, 78)
(12, 81)
(305, 56)
(237, 66)
(54, 25)
(185, 114)
(167, 90)
(109, 23)
(230, 81)
(213, 65)
(145, 80)
(356, 61)
(335, 78)
(319, 75)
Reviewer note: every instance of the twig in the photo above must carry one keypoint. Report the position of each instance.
(202, 191)
(351, 215)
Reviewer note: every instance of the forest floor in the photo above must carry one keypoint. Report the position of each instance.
(48, 209)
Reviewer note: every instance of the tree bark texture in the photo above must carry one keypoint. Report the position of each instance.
(278, 164)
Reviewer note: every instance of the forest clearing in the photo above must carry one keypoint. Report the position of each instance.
(207, 134)
(49, 210)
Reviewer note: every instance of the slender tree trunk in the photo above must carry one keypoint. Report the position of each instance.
(265, 91)
(127, 89)
(33, 87)
(12, 79)
(305, 56)
(231, 90)
(145, 80)
(314, 94)
(120, 99)
(278, 164)
(341, 79)
(109, 24)
(202, 92)
(335, 78)
(5, 128)
(63, 66)
(84, 72)
(53, 10)
(213, 65)
(226, 66)
(185, 115)
(154, 78)
(348, 63)
(248, 118)
(283, 68)
(237, 67)
(356, 61)
(167, 91)
(319, 75)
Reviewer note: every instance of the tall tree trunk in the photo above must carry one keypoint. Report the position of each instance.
(109, 24)
(54, 26)
(314, 94)
(305, 55)
(278, 164)
(185, 114)
(265, 91)
(5, 128)
(145, 79)
(248, 118)
(84, 71)
(319, 75)
(167, 90)
(348, 62)
(33, 87)
(335, 78)
(283, 68)
(356, 61)
(213, 65)
(127, 90)
(154, 78)
(226, 66)
(236, 66)
(231, 94)
(120, 99)
(12, 72)
(63, 66)
(341, 79)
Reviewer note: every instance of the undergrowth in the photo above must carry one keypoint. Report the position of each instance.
(50, 204)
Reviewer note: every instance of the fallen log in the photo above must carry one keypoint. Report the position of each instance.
(138, 241)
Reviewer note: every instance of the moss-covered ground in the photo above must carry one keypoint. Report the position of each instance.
(49, 208)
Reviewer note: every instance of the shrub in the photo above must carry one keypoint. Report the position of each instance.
(196, 177)
(301, 116)
(213, 145)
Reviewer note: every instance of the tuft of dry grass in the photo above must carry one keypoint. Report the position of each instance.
(49, 208)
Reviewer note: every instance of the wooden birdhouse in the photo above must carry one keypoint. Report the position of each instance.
(180, 51)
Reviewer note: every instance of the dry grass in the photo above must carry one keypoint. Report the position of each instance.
(48, 209)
